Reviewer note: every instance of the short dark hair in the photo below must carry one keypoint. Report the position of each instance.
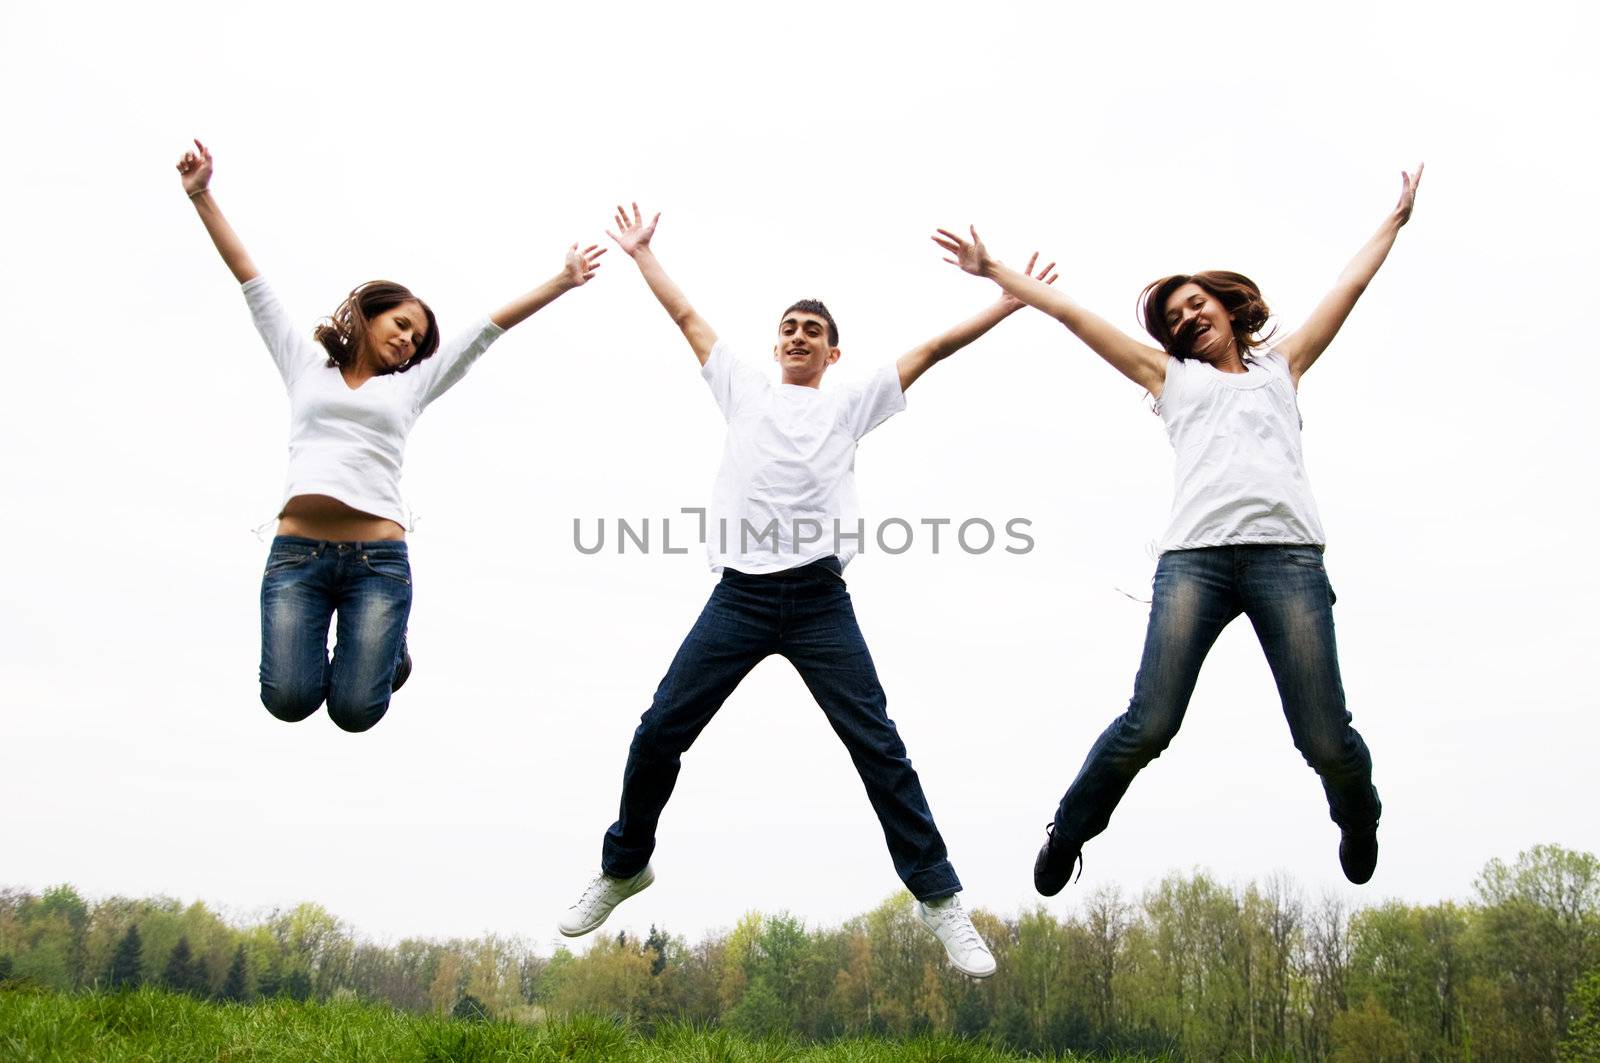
(342, 334)
(814, 306)
(1238, 294)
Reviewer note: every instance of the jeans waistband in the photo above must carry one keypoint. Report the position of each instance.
(375, 546)
(823, 567)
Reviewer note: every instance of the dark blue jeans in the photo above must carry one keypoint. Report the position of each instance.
(805, 615)
(306, 582)
(1284, 591)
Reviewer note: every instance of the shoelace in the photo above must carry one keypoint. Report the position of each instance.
(954, 917)
(593, 889)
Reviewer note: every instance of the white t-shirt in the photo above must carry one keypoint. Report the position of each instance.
(349, 443)
(786, 492)
(1241, 477)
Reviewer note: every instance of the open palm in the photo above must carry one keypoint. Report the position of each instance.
(634, 235)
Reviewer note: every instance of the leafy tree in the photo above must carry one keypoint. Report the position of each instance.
(6, 966)
(1541, 923)
(235, 986)
(1582, 1042)
(127, 963)
(1369, 1034)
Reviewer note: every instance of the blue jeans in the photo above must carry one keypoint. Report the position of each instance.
(1284, 591)
(306, 582)
(803, 614)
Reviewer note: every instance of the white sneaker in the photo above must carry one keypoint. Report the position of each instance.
(950, 923)
(599, 897)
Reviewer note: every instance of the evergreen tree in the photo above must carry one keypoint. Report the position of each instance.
(656, 943)
(178, 975)
(127, 962)
(235, 986)
(200, 978)
(298, 985)
(270, 984)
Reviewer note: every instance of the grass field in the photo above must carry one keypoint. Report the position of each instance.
(148, 1026)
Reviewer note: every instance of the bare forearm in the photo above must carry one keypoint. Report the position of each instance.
(663, 287)
(1364, 266)
(525, 306)
(1145, 366)
(227, 242)
(920, 359)
(699, 334)
(973, 327)
(1034, 292)
(1306, 345)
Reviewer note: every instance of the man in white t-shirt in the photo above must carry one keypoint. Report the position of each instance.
(782, 525)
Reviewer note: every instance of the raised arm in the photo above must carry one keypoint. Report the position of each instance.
(579, 268)
(195, 170)
(634, 238)
(1144, 365)
(919, 359)
(1305, 344)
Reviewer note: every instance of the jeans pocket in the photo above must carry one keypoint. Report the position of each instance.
(283, 560)
(1307, 557)
(389, 567)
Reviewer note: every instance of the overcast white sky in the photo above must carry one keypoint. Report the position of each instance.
(802, 152)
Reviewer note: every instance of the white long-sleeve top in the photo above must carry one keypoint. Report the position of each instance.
(349, 443)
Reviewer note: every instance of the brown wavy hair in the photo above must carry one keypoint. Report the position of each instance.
(343, 333)
(1238, 294)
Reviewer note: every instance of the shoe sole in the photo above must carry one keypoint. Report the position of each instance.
(641, 882)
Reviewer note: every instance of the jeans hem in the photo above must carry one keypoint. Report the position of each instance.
(934, 883)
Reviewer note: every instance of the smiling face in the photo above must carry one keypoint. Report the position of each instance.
(1199, 324)
(803, 350)
(395, 335)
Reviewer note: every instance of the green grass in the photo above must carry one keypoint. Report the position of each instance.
(150, 1026)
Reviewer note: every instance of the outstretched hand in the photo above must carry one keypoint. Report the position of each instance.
(582, 264)
(972, 257)
(195, 170)
(1047, 275)
(634, 235)
(1408, 194)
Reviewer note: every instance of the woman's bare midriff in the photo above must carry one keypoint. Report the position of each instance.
(325, 517)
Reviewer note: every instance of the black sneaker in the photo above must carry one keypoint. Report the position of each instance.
(1358, 854)
(402, 671)
(1052, 868)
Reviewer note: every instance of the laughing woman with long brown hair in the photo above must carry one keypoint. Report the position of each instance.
(356, 387)
(1244, 535)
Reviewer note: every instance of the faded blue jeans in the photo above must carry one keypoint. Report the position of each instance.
(805, 615)
(1284, 591)
(306, 582)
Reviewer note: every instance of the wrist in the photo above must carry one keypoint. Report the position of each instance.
(197, 193)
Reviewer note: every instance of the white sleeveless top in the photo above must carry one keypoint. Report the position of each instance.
(349, 443)
(1240, 476)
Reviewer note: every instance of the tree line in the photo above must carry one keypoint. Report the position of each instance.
(1192, 968)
